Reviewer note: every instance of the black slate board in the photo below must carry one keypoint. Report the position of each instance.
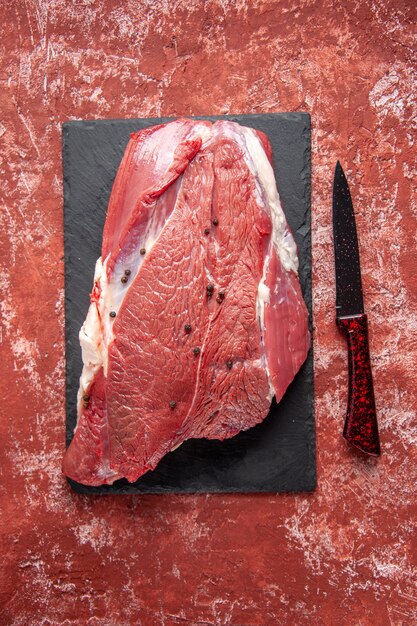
(275, 456)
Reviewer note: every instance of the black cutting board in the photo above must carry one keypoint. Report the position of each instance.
(275, 456)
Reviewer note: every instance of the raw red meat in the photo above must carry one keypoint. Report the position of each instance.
(196, 318)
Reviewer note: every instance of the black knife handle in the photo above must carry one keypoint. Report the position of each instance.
(361, 426)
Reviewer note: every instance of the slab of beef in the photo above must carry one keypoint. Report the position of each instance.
(196, 318)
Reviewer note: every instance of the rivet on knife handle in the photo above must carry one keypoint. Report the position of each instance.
(361, 427)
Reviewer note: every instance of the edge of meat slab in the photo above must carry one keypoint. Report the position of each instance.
(196, 318)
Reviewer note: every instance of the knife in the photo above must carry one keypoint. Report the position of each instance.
(361, 427)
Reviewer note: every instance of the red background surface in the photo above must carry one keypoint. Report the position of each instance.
(343, 555)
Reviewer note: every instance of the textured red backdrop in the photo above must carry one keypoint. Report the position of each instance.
(343, 555)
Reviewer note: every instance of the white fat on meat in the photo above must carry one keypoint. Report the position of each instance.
(281, 238)
(91, 339)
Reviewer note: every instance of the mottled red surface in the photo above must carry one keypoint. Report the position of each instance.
(343, 555)
(361, 425)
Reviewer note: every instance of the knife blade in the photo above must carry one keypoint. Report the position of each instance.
(361, 426)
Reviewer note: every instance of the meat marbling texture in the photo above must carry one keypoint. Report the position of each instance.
(194, 236)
